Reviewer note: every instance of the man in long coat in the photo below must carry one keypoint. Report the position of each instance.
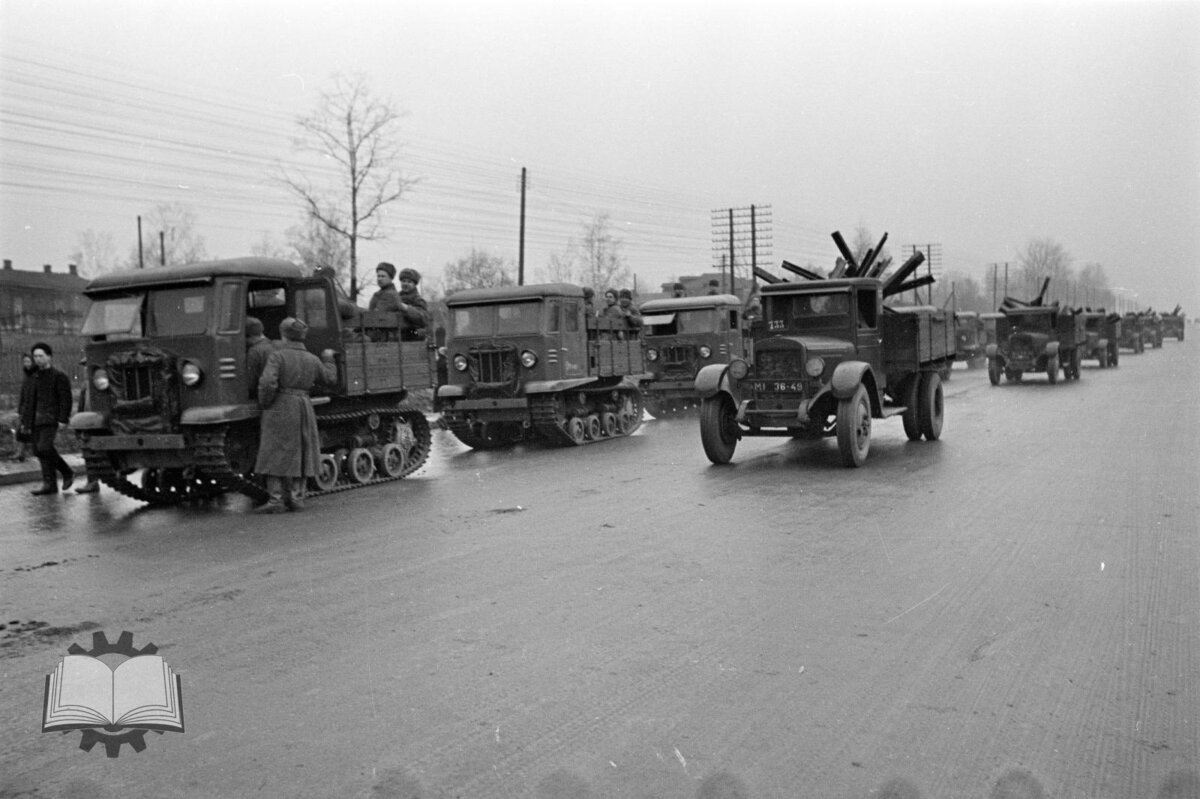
(289, 447)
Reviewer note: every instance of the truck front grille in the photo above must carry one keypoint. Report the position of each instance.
(778, 364)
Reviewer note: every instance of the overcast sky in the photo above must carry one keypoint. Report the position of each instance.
(976, 126)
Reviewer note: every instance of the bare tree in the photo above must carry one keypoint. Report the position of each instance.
(267, 247)
(477, 271)
(316, 245)
(1093, 287)
(595, 260)
(355, 131)
(169, 238)
(1044, 258)
(94, 253)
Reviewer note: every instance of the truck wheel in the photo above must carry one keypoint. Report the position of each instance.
(718, 428)
(930, 406)
(854, 427)
(910, 417)
(994, 371)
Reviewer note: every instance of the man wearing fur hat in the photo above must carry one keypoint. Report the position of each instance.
(387, 298)
(413, 307)
(289, 446)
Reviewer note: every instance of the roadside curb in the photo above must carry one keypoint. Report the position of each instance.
(30, 472)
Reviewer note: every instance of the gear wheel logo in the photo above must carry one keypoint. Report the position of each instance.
(113, 702)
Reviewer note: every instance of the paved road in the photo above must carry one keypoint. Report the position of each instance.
(1014, 608)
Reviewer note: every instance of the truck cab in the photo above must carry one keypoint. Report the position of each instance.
(680, 336)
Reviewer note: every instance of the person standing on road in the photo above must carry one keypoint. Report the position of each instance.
(258, 347)
(289, 447)
(92, 485)
(49, 408)
(24, 434)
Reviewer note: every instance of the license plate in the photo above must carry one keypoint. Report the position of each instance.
(777, 386)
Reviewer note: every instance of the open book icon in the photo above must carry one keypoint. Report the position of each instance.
(139, 692)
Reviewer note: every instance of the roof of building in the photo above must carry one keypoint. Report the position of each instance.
(50, 281)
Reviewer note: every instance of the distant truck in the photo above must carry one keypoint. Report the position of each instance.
(529, 362)
(681, 336)
(1102, 332)
(828, 357)
(1032, 337)
(172, 401)
(1174, 324)
(1133, 335)
(969, 339)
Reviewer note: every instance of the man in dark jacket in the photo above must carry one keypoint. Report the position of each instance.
(48, 409)
(258, 347)
(23, 434)
(289, 446)
(413, 307)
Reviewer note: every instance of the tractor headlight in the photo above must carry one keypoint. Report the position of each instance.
(814, 366)
(738, 368)
(191, 374)
(100, 379)
(528, 359)
(652, 355)
(460, 363)
(705, 351)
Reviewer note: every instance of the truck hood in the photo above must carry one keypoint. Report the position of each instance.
(825, 346)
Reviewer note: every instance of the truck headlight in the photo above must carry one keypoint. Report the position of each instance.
(191, 374)
(814, 366)
(100, 379)
(460, 363)
(528, 359)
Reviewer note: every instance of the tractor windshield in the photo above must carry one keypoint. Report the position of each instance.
(498, 319)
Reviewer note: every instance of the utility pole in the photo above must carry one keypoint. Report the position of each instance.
(521, 247)
(162, 248)
(933, 252)
(141, 255)
(740, 234)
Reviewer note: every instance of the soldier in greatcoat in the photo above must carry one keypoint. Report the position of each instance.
(258, 347)
(289, 446)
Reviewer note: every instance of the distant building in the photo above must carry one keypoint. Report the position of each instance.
(44, 306)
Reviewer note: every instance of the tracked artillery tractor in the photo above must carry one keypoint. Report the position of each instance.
(682, 335)
(529, 362)
(1036, 337)
(173, 415)
(1133, 336)
(829, 357)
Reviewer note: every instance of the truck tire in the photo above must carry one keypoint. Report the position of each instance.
(1052, 369)
(911, 419)
(854, 427)
(1076, 363)
(718, 428)
(994, 371)
(931, 406)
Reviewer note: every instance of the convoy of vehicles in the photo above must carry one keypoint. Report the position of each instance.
(173, 417)
(1032, 337)
(828, 357)
(682, 335)
(530, 362)
(170, 395)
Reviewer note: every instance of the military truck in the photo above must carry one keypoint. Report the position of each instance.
(1152, 335)
(828, 357)
(969, 339)
(1102, 331)
(171, 400)
(529, 362)
(1174, 323)
(682, 335)
(1132, 336)
(1033, 337)
(989, 327)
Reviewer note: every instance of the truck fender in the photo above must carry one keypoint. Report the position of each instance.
(847, 376)
(712, 379)
(1051, 348)
(990, 350)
